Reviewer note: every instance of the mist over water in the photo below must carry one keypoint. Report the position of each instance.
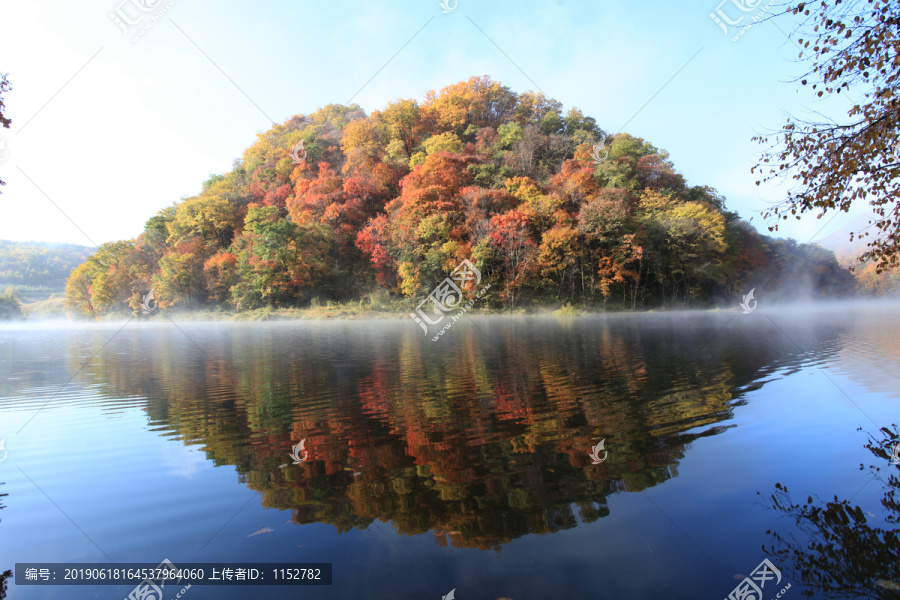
(459, 464)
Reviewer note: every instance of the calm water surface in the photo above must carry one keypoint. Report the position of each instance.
(461, 463)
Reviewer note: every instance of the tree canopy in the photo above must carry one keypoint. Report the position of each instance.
(396, 199)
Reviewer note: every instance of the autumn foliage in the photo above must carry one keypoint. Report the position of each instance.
(548, 206)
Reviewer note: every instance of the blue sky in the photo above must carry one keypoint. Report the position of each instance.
(107, 131)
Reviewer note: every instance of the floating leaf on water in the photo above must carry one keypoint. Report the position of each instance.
(887, 584)
(262, 530)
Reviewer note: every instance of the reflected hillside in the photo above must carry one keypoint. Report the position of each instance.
(476, 440)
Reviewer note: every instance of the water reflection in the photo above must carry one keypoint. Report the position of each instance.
(835, 548)
(5, 576)
(480, 439)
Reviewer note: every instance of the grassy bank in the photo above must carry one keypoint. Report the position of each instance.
(377, 305)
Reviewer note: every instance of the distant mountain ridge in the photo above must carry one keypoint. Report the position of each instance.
(869, 281)
(844, 250)
(38, 269)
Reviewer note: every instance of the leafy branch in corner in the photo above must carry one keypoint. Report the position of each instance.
(841, 554)
(854, 48)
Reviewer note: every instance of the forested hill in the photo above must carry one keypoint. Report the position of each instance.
(37, 269)
(549, 206)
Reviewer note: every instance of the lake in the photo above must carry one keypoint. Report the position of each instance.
(462, 464)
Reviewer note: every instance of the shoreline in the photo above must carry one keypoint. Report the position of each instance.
(353, 312)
